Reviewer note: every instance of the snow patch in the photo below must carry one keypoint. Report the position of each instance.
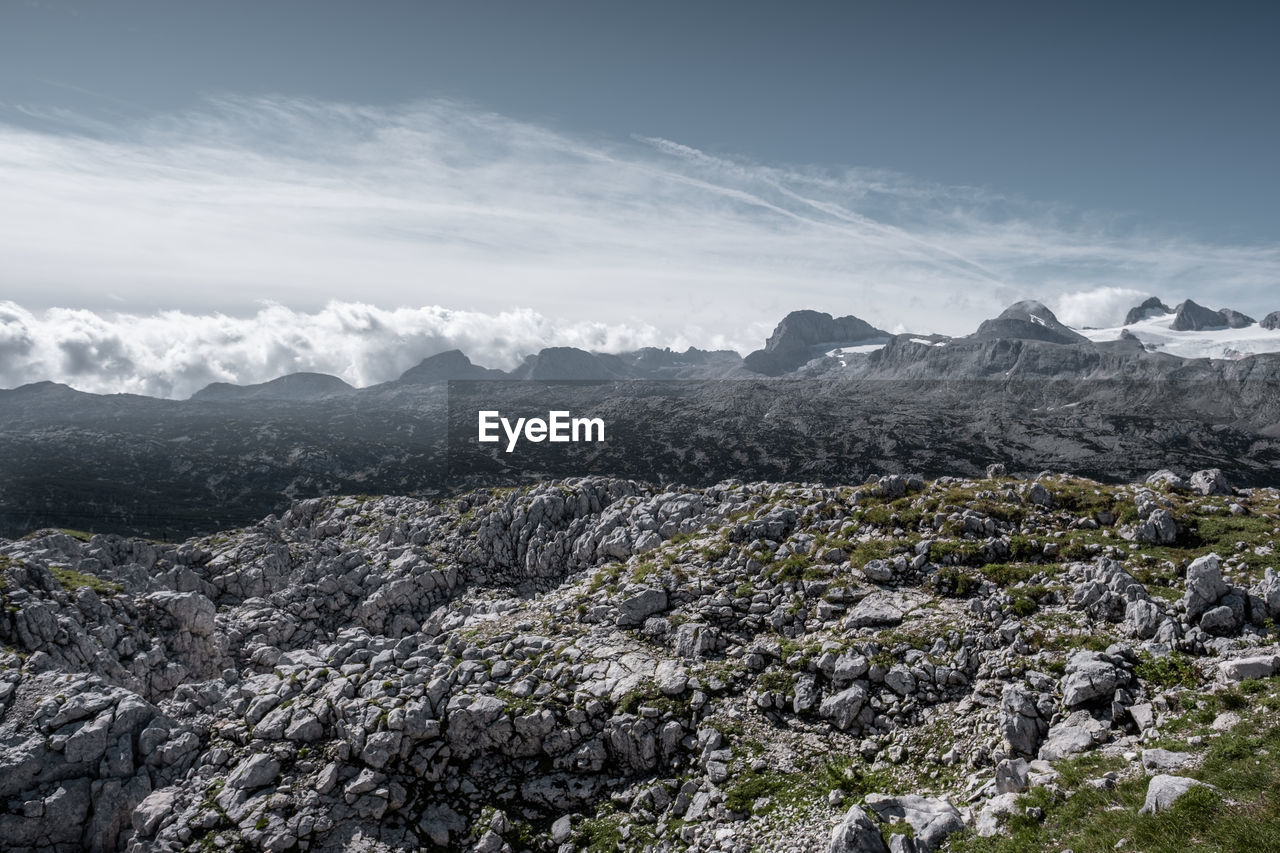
(1155, 334)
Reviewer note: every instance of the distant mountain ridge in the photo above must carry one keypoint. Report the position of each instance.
(797, 348)
(292, 386)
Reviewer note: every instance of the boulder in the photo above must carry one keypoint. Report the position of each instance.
(857, 833)
(635, 608)
(1211, 481)
(1164, 759)
(1205, 586)
(254, 772)
(842, 708)
(1240, 669)
(1020, 721)
(1090, 676)
(1163, 791)
(1079, 732)
(932, 819)
(1159, 528)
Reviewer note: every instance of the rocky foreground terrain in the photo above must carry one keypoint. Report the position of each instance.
(593, 664)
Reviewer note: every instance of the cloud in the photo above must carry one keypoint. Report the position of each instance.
(175, 353)
(157, 254)
(1101, 308)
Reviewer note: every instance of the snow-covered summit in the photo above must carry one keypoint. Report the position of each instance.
(1235, 336)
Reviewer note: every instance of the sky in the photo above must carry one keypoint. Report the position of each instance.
(226, 191)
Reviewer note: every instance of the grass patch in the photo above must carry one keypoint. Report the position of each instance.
(1243, 814)
(1167, 671)
(72, 580)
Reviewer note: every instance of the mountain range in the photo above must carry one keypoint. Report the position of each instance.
(826, 399)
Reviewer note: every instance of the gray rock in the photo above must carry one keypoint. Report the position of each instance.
(1038, 495)
(879, 608)
(1205, 586)
(1159, 528)
(1079, 732)
(843, 707)
(634, 609)
(1166, 478)
(152, 810)
(878, 570)
(254, 772)
(1240, 669)
(1143, 715)
(1219, 621)
(1020, 722)
(856, 833)
(807, 695)
(1163, 791)
(1011, 775)
(993, 814)
(1164, 759)
(932, 819)
(380, 748)
(561, 829)
(1090, 676)
(902, 843)
(1142, 618)
(900, 680)
(1211, 481)
(1268, 591)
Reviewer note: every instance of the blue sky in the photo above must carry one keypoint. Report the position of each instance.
(1163, 110)
(628, 173)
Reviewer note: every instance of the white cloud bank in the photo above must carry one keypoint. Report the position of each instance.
(174, 353)
(180, 238)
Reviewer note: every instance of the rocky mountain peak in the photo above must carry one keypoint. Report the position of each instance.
(444, 367)
(1147, 309)
(1028, 320)
(293, 386)
(802, 335)
(1193, 317)
(570, 363)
